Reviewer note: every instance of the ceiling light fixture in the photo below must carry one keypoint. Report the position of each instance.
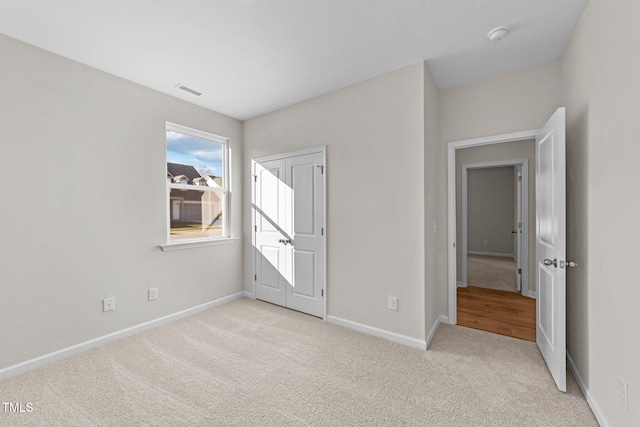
(497, 33)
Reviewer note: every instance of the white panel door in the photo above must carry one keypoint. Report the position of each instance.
(175, 207)
(289, 238)
(306, 252)
(270, 214)
(551, 246)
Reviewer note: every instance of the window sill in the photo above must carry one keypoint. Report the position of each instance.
(197, 244)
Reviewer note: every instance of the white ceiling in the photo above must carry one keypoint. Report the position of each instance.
(250, 57)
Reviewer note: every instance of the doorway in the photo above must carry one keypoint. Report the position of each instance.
(494, 218)
(494, 234)
(176, 205)
(550, 237)
(288, 214)
(496, 151)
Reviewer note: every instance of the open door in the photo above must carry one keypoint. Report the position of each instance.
(551, 246)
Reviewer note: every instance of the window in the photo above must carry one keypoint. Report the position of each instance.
(197, 185)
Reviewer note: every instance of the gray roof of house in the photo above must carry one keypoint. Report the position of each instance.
(176, 169)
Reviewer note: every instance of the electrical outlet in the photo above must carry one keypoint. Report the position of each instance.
(623, 393)
(486, 242)
(108, 304)
(393, 303)
(153, 294)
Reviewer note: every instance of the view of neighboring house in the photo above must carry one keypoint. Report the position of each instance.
(182, 174)
(191, 205)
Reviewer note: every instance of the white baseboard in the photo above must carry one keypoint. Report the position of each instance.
(492, 254)
(249, 295)
(47, 359)
(380, 333)
(587, 395)
(441, 319)
(529, 294)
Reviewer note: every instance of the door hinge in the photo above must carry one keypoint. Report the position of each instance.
(519, 271)
(322, 292)
(322, 231)
(255, 228)
(321, 168)
(255, 277)
(255, 178)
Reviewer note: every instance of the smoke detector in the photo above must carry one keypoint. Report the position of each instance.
(497, 33)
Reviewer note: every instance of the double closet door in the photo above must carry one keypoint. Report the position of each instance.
(288, 209)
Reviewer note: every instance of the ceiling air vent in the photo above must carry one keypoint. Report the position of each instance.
(188, 89)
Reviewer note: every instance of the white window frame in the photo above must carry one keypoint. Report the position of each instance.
(225, 189)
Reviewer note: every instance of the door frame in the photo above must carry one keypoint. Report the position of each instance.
(524, 200)
(452, 206)
(320, 149)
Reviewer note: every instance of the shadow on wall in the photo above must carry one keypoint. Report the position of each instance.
(578, 238)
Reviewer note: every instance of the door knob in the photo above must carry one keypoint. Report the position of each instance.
(285, 241)
(513, 231)
(572, 264)
(549, 262)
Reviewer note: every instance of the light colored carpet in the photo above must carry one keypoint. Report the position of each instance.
(252, 363)
(491, 272)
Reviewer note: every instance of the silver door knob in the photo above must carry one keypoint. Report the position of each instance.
(572, 264)
(549, 262)
(285, 241)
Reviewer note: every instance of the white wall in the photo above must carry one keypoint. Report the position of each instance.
(511, 102)
(84, 206)
(432, 228)
(514, 150)
(601, 89)
(375, 189)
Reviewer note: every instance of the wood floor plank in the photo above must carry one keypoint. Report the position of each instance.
(500, 312)
(521, 317)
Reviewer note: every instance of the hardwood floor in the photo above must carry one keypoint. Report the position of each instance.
(500, 312)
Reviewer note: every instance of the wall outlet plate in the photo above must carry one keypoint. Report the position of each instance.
(108, 304)
(153, 294)
(393, 303)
